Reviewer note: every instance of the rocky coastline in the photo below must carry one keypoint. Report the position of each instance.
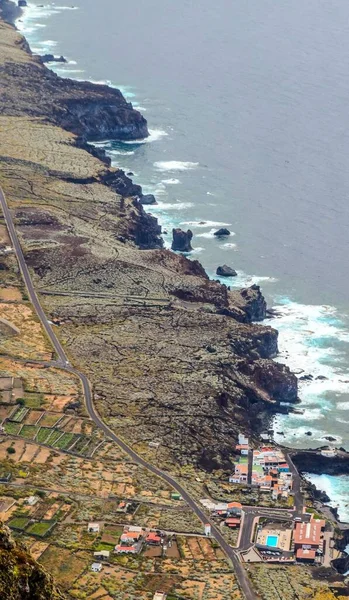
(221, 377)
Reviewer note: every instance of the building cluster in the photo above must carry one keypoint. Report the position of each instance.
(301, 541)
(229, 512)
(265, 468)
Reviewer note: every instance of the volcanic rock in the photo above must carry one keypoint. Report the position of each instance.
(222, 232)
(182, 240)
(46, 58)
(225, 271)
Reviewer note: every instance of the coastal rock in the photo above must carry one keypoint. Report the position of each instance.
(251, 300)
(226, 271)
(329, 438)
(314, 462)
(274, 379)
(46, 58)
(308, 433)
(121, 184)
(147, 199)
(182, 240)
(222, 232)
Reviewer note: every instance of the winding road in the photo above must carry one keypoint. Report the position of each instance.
(63, 363)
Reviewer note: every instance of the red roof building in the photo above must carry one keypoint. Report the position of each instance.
(153, 538)
(308, 534)
(303, 554)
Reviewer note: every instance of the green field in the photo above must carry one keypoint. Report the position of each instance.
(54, 437)
(19, 523)
(19, 414)
(29, 431)
(43, 434)
(40, 529)
(12, 428)
(65, 441)
(33, 400)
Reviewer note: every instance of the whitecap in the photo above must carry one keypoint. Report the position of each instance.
(228, 246)
(173, 206)
(342, 406)
(175, 165)
(203, 223)
(337, 488)
(171, 181)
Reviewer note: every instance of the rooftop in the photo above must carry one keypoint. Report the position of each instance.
(308, 533)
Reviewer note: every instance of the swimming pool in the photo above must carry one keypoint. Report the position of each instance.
(272, 541)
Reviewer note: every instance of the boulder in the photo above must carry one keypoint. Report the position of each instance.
(329, 438)
(308, 433)
(225, 271)
(182, 240)
(222, 232)
(147, 199)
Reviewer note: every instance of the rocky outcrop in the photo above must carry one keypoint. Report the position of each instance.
(314, 462)
(21, 577)
(222, 232)
(182, 240)
(120, 183)
(47, 58)
(252, 301)
(226, 271)
(91, 111)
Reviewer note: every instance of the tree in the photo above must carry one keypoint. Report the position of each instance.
(20, 401)
(11, 450)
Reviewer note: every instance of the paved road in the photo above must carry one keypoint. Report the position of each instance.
(64, 363)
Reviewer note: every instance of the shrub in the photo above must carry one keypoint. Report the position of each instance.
(10, 450)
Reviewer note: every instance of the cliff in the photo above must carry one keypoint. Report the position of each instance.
(21, 577)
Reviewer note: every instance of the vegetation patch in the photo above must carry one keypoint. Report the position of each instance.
(19, 523)
(65, 441)
(29, 431)
(41, 529)
(12, 428)
(50, 419)
(33, 400)
(19, 414)
(56, 433)
(43, 434)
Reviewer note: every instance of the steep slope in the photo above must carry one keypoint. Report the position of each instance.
(21, 577)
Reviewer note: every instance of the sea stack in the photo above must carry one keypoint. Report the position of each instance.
(182, 240)
(222, 232)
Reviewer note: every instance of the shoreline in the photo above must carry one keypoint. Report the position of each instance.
(6, 3)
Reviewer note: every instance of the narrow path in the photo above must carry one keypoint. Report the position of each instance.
(63, 362)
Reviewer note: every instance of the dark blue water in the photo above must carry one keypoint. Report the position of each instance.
(248, 107)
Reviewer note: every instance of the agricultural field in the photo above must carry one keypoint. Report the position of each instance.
(26, 339)
(273, 582)
(12, 428)
(40, 529)
(29, 432)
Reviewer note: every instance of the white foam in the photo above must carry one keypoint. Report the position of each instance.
(337, 488)
(173, 206)
(171, 181)
(228, 246)
(342, 406)
(175, 165)
(203, 223)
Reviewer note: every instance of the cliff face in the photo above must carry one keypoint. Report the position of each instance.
(93, 112)
(21, 577)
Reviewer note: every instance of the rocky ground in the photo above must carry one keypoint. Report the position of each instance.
(172, 356)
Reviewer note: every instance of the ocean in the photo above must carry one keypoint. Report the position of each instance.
(247, 108)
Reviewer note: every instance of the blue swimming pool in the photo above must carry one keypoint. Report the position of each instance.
(272, 541)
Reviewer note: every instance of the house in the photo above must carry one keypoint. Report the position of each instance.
(207, 529)
(242, 439)
(305, 555)
(102, 554)
(32, 500)
(121, 549)
(232, 522)
(159, 596)
(130, 537)
(329, 453)
(96, 567)
(234, 508)
(93, 528)
(153, 539)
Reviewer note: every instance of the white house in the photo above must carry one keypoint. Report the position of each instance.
(96, 567)
(93, 528)
(102, 554)
(243, 440)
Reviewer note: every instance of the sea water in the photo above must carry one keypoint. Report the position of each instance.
(247, 107)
